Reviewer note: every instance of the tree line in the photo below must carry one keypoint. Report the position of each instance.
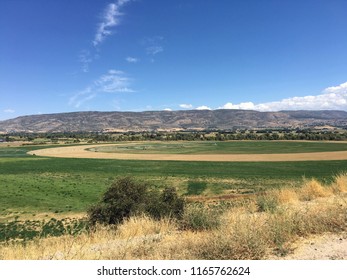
(91, 137)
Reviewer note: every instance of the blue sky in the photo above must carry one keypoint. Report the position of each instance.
(139, 55)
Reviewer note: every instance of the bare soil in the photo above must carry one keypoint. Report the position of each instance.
(14, 144)
(329, 246)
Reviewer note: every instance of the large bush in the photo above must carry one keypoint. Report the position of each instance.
(128, 197)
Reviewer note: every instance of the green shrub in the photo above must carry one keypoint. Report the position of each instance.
(165, 204)
(128, 197)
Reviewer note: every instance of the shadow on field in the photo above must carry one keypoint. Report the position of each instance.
(196, 188)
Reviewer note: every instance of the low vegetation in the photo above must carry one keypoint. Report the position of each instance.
(250, 228)
(24, 231)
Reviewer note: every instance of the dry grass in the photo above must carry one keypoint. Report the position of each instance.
(143, 226)
(245, 231)
(340, 183)
(313, 189)
(287, 195)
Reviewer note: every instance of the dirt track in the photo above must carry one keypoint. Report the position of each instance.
(81, 152)
(328, 246)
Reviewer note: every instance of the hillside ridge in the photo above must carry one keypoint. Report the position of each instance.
(222, 119)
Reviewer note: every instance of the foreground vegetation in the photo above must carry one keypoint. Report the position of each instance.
(249, 228)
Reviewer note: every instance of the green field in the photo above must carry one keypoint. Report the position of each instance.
(231, 147)
(31, 185)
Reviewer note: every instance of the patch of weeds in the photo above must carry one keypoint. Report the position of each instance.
(200, 217)
(29, 229)
(196, 188)
(246, 242)
(267, 203)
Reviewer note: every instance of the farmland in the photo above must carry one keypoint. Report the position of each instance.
(236, 147)
(47, 196)
(33, 186)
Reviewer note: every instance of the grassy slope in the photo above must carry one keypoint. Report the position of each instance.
(260, 228)
(29, 185)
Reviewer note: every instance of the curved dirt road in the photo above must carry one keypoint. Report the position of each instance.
(81, 152)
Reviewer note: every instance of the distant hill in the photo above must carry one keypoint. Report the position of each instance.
(172, 120)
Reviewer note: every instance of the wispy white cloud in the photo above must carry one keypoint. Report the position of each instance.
(110, 19)
(85, 59)
(153, 45)
(153, 50)
(186, 106)
(114, 81)
(167, 109)
(9, 111)
(203, 108)
(81, 97)
(332, 98)
(131, 59)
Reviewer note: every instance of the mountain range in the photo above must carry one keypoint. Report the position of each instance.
(172, 121)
